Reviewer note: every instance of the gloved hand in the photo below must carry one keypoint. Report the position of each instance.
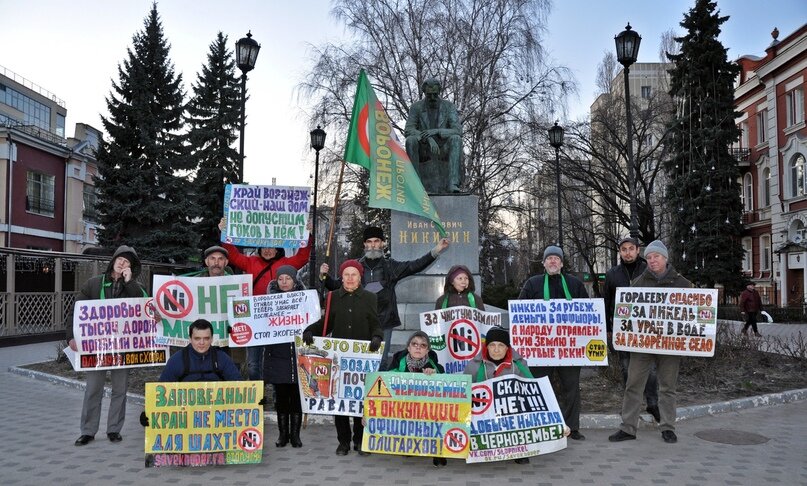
(263, 401)
(375, 343)
(144, 420)
(308, 338)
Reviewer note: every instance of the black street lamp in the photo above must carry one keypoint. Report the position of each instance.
(556, 140)
(317, 143)
(246, 53)
(627, 50)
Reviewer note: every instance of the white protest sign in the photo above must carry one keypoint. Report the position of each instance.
(266, 216)
(273, 318)
(456, 334)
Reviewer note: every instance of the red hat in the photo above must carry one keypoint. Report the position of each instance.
(351, 263)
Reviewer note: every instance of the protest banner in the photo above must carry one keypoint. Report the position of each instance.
(414, 414)
(182, 300)
(273, 318)
(116, 333)
(456, 334)
(514, 417)
(559, 332)
(666, 321)
(204, 423)
(331, 374)
(265, 216)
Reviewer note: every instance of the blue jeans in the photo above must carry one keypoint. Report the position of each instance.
(255, 362)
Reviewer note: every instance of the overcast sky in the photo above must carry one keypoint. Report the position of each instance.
(73, 49)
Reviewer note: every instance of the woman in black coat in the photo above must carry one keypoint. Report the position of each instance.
(280, 369)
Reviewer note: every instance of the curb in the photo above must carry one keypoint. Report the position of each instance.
(587, 421)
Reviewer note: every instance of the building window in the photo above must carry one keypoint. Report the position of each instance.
(762, 126)
(766, 187)
(90, 201)
(748, 193)
(794, 101)
(797, 175)
(744, 134)
(646, 92)
(40, 195)
(747, 254)
(60, 125)
(764, 253)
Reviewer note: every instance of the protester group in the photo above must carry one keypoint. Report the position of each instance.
(359, 303)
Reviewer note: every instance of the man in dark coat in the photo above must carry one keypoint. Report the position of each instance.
(380, 275)
(750, 305)
(555, 285)
(631, 266)
(351, 314)
(659, 274)
(117, 282)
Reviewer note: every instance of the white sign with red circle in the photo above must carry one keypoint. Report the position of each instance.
(174, 299)
(456, 440)
(481, 399)
(250, 439)
(463, 339)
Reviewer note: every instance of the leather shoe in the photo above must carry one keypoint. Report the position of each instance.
(343, 449)
(620, 435)
(357, 448)
(576, 435)
(439, 461)
(84, 440)
(653, 410)
(114, 437)
(669, 437)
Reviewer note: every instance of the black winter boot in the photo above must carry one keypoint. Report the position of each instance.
(294, 431)
(283, 429)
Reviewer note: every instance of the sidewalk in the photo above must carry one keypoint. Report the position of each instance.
(41, 423)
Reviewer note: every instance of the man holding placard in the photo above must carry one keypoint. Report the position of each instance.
(631, 265)
(659, 274)
(119, 281)
(554, 285)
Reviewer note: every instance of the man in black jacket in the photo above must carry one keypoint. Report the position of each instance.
(631, 266)
(381, 275)
(119, 281)
(555, 285)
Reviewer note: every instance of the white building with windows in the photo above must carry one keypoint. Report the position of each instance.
(772, 152)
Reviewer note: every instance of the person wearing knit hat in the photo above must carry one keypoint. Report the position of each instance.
(659, 274)
(496, 359)
(552, 284)
(351, 312)
(631, 265)
(459, 290)
(380, 275)
(280, 369)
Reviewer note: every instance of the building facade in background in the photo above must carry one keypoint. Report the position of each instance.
(47, 196)
(773, 158)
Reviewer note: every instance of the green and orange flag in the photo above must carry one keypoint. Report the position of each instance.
(372, 144)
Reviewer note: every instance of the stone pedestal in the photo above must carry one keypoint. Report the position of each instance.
(412, 236)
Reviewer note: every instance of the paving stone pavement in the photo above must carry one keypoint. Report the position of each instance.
(41, 423)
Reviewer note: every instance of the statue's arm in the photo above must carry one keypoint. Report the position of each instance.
(453, 124)
(411, 128)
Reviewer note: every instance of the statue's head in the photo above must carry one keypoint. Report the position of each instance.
(431, 90)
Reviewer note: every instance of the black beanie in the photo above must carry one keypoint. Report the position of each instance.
(373, 232)
(497, 334)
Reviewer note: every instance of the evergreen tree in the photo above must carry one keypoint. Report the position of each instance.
(143, 200)
(704, 189)
(214, 117)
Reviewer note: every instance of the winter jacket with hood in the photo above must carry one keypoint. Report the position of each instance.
(103, 287)
(452, 298)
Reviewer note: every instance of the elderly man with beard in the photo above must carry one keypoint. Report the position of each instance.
(554, 285)
(381, 275)
(658, 274)
(630, 267)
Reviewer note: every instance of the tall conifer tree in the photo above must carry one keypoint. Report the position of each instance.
(214, 113)
(143, 198)
(704, 190)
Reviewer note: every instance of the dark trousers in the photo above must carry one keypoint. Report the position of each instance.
(650, 388)
(750, 321)
(569, 393)
(287, 398)
(343, 429)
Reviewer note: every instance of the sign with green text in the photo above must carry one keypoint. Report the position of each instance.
(266, 216)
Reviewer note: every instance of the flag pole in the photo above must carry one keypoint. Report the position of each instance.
(335, 207)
